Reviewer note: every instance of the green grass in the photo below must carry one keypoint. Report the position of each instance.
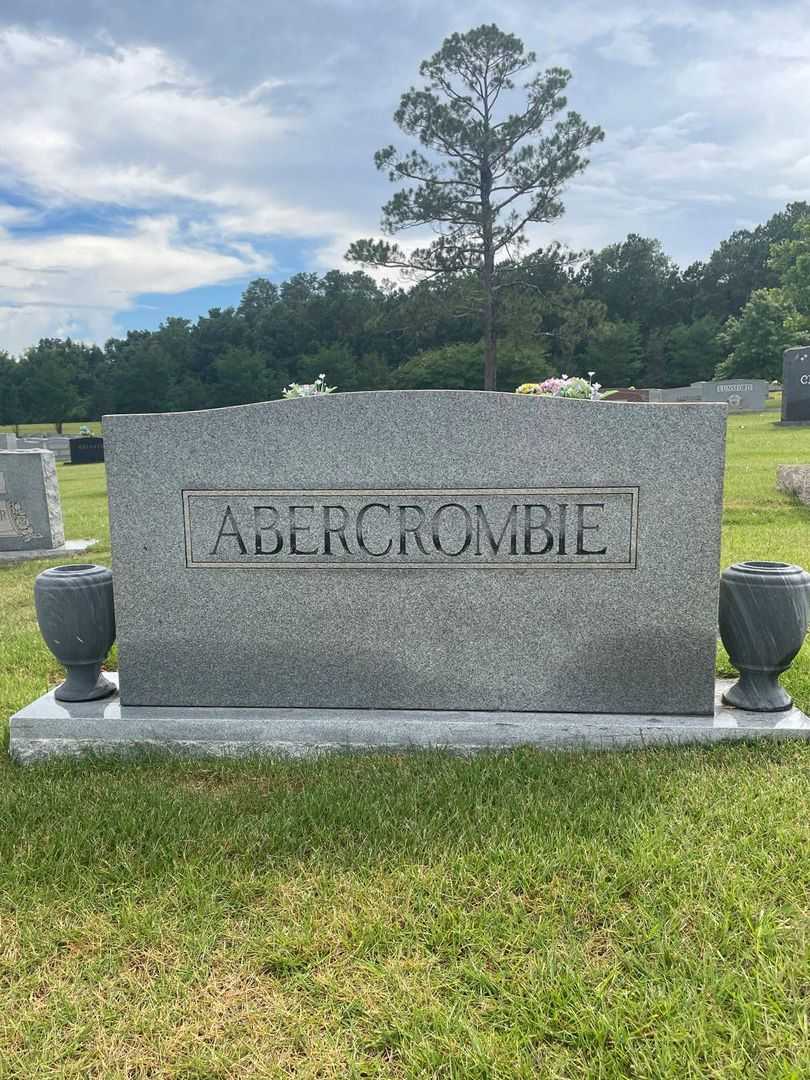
(605, 915)
(760, 522)
(70, 427)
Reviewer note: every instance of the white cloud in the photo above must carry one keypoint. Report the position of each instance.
(123, 125)
(628, 47)
(16, 215)
(76, 283)
(133, 128)
(151, 159)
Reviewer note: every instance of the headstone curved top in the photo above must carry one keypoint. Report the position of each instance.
(418, 549)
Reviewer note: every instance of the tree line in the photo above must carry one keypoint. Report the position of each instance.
(491, 158)
(627, 312)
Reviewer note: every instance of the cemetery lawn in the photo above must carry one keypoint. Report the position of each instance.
(525, 915)
(70, 427)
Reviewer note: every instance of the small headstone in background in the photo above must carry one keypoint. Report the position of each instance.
(30, 511)
(627, 394)
(796, 386)
(86, 450)
(741, 395)
(8, 442)
(59, 445)
(31, 442)
(675, 395)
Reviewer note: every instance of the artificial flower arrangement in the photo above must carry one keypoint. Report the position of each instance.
(573, 387)
(296, 390)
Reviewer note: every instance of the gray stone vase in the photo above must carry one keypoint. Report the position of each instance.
(77, 619)
(763, 621)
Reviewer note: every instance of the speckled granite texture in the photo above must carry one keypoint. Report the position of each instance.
(795, 480)
(629, 625)
(30, 510)
(50, 728)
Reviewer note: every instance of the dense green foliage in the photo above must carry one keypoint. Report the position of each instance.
(627, 312)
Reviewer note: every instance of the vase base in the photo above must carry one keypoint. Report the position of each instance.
(102, 689)
(761, 696)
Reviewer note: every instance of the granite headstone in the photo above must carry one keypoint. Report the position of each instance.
(677, 395)
(59, 445)
(30, 510)
(86, 450)
(627, 394)
(796, 386)
(418, 550)
(741, 395)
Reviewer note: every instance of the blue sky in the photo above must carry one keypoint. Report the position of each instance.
(154, 158)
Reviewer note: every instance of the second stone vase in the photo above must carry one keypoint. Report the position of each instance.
(763, 622)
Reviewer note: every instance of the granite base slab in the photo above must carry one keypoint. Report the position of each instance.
(49, 728)
(70, 547)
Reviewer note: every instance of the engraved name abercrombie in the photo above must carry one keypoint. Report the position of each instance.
(412, 528)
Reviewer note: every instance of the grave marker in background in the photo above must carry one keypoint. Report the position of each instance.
(30, 511)
(59, 445)
(796, 386)
(741, 395)
(677, 395)
(86, 450)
